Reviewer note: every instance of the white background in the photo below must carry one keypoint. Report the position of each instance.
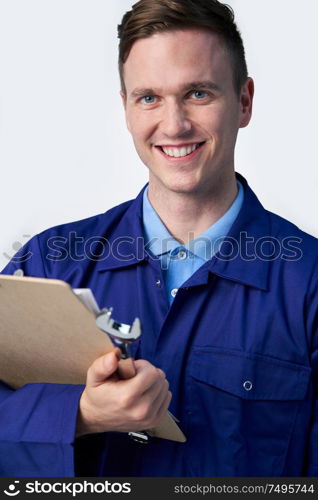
(64, 150)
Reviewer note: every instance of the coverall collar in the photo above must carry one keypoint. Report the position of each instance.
(237, 263)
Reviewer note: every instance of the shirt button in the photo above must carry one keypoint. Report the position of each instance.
(247, 385)
(174, 292)
(182, 254)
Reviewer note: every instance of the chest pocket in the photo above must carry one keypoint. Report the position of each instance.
(250, 376)
(246, 406)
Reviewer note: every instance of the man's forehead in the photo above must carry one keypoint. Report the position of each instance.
(168, 59)
(188, 34)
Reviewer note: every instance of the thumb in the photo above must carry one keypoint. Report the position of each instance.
(103, 368)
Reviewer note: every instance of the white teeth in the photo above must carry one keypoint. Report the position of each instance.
(179, 152)
(183, 152)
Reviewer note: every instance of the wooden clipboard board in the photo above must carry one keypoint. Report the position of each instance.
(47, 335)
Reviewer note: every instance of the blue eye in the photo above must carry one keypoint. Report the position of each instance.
(199, 94)
(148, 99)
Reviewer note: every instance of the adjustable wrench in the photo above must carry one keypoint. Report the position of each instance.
(123, 335)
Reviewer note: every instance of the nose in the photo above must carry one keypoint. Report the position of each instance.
(175, 123)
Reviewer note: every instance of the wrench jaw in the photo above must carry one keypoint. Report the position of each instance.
(135, 329)
(118, 331)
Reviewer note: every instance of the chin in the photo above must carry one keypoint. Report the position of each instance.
(185, 186)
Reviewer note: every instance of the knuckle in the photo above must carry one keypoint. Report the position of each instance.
(90, 372)
(163, 386)
(141, 414)
(141, 363)
(161, 373)
(156, 375)
(125, 400)
(152, 370)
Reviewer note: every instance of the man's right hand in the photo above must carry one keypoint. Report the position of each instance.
(110, 404)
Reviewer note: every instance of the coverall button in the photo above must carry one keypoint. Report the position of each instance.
(247, 385)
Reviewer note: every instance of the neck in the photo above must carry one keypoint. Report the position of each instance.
(187, 215)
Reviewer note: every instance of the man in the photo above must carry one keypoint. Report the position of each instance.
(226, 291)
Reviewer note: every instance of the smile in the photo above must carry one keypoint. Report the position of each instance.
(180, 151)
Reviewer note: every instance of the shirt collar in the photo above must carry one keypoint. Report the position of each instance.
(252, 220)
(157, 237)
(159, 241)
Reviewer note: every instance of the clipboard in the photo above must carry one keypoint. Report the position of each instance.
(47, 335)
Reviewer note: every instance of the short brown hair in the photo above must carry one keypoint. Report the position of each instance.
(152, 16)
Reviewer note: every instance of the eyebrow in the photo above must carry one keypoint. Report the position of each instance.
(209, 85)
(205, 84)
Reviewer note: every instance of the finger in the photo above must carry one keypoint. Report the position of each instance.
(156, 396)
(142, 364)
(102, 368)
(153, 399)
(146, 377)
(126, 369)
(163, 408)
(160, 412)
(158, 387)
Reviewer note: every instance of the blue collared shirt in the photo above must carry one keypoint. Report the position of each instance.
(179, 262)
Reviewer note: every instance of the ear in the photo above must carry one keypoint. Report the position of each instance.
(246, 102)
(124, 101)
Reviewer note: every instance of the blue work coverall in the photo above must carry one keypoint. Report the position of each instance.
(239, 346)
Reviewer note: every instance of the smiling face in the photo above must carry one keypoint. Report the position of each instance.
(182, 109)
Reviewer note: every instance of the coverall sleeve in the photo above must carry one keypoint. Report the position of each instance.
(38, 413)
(29, 259)
(312, 319)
